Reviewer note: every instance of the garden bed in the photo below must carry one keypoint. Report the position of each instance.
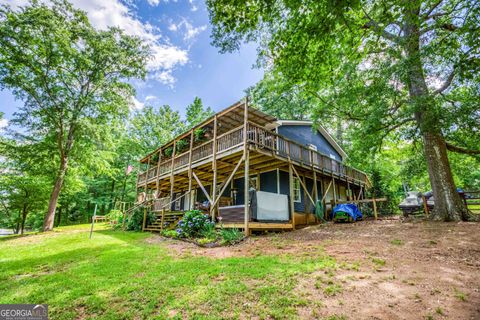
(197, 228)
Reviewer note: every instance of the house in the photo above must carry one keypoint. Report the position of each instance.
(289, 166)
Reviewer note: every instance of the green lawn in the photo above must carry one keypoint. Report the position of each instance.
(119, 275)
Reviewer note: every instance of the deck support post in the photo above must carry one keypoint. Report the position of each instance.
(246, 155)
(144, 218)
(172, 177)
(315, 194)
(214, 169)
(292, 197)
(158, 173)
(146, 177)
(190, 172)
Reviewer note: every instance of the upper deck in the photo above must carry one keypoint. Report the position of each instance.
(260, 139)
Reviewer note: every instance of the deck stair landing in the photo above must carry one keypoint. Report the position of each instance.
(169, 219)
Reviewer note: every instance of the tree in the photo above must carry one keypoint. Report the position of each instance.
(277, 97)
(405, 66)
(71, 78)
(196, 113)
(151, 128)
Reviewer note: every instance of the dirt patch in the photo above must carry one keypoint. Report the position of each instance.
(401, 270)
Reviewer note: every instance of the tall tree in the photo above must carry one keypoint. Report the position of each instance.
(196, 113)
(71, 77)
(150, 128)
(389, 65)
(277, 97)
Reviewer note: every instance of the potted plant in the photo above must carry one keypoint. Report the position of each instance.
(181, 145)
(168, 152)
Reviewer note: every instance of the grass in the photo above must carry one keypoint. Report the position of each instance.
(396, 242)
(460, 295)
(120, 275)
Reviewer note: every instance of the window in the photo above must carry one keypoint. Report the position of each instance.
(178, 202)
(254, 182)
(297, 197)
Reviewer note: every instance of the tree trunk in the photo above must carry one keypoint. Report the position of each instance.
(24, 217)
(52, 205)
(59, 216)
(448, 204)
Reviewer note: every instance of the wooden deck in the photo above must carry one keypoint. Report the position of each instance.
(260, 140)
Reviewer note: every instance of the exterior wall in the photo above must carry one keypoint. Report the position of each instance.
(305, 134)
(268, 181)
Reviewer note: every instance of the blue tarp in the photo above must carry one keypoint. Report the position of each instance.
(348, 208)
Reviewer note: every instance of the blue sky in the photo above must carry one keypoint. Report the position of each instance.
(184, 65)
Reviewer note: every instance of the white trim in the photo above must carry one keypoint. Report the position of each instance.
(321, 129)
(299, 189)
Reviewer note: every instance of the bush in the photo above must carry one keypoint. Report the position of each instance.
(169, 233)
(231, 236)
(115, 215)
(193, 224)
(135, 220)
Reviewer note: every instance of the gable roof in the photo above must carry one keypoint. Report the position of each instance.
(320, 129)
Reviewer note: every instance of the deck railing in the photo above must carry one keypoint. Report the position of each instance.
(264, 139)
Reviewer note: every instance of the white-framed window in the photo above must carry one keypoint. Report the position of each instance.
(297, 196)
(312, 147)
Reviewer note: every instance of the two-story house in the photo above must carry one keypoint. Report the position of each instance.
(290, 166)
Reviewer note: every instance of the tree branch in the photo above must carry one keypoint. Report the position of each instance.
(427, 14)
(446, 84)
(372, 24)
(458, 149)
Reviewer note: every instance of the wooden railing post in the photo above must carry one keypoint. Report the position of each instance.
(246, 155)
(144, 218)
(214, 168)
(163, 219)
(374, 208)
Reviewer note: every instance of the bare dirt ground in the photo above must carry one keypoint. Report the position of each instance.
(398, 270)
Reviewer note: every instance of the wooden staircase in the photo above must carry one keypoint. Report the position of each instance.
(164, 220)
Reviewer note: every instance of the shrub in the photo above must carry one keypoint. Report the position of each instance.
(115, 215)
(230, 236)
(192, 225)
(135, 220)
(181, 145)
(169, 233)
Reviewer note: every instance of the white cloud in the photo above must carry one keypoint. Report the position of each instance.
(104, 14)
(153, 3)
(3, 124)
(150, 98)
(135, 104)
(190, 32)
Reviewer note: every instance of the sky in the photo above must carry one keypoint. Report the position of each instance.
(184, 64)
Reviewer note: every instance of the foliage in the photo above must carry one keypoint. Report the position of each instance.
(199, 135)
(193, 224)
(231, 236)
(168, 152)
(115, 216)
(70, 76)
(196, 113)
(169, 233)
(401, 69)
(135, 220)
(181, 145)
(153, 127)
